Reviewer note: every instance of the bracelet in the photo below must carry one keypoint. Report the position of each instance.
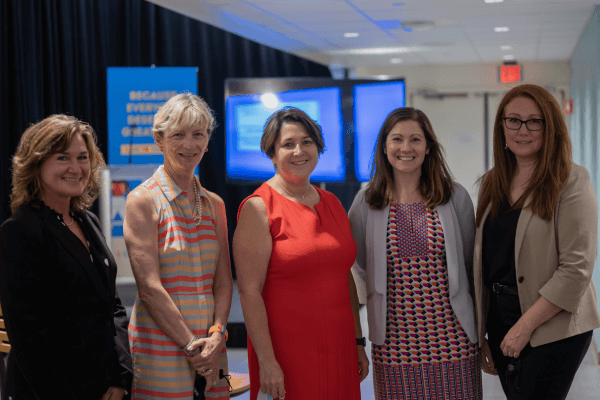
(361, 342)
(219, 328)
(188, 349)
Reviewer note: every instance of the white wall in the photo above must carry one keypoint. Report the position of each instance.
(459, 120)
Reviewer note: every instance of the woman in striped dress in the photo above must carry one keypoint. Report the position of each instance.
(176, 236)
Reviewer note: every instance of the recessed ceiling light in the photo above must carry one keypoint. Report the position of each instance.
(395, 61)
(501, 29)
(493, 1)
(351, 34)
(506, 48)
(508, 57)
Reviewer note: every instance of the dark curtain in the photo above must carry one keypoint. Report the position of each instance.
(54, 55)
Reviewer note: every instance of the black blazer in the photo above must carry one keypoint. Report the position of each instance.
(65, 321)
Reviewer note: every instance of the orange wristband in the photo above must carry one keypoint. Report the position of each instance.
(218, 328)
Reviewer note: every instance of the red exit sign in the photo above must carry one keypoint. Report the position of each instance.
(510, 73)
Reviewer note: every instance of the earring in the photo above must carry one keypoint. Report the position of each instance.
(505, 146)
(275, 166)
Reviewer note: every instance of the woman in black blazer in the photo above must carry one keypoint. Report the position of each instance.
(64, 319)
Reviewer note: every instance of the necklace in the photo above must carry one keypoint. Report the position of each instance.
(295, 196)
(70, 223)
(198, 206)
(305, 194)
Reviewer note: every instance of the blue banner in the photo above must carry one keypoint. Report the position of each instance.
(134, 95)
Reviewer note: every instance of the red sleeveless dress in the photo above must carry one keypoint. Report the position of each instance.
(307, 299)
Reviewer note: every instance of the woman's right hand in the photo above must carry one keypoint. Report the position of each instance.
(487, 362)
(271, 379)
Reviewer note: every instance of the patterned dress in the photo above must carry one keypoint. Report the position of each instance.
(188, 258)
(426, 354)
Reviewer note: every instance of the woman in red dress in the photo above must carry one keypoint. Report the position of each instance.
(293, 250)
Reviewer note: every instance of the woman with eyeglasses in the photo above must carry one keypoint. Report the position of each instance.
(535, 247)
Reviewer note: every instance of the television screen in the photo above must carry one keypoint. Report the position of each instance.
(246, 115)
(372, 104)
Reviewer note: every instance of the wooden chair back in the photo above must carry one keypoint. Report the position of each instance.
(4, 345)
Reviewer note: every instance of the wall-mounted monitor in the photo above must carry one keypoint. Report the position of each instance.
(372, 104)
(349, 111)
(246, 115)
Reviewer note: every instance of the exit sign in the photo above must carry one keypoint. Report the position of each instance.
(510, 73)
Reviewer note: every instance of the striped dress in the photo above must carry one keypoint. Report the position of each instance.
(188, 258)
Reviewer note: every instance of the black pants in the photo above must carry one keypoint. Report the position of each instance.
(545, 372)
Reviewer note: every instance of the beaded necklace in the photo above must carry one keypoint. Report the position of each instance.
(198, 207)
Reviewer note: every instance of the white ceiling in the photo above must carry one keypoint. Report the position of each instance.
(540, 30)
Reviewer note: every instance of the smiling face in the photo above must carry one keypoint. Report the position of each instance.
(406, 147)
(296, 154)
(66, 174)
(183, 148)
(525, 144)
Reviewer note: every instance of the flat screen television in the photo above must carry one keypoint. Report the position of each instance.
(372, 104)
(349, 111)
(246, 115)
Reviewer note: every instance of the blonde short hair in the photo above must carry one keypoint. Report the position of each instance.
(39, 142)
(183, 110)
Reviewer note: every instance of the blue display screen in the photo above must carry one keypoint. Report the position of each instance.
(372, 104)
(134, 94)
(246, 116)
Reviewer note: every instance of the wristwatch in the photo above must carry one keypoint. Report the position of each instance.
(361, 342)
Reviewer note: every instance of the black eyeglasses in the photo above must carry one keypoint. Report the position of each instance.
(514, 124)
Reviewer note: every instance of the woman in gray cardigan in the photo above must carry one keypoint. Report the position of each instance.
(415, 228)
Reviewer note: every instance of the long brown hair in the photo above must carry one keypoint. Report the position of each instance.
(38, 143)
(552, 167)
(436, 181)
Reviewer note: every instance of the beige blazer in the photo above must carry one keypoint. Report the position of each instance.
(554, 259)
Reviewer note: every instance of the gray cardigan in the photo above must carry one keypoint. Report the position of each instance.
(369, 228)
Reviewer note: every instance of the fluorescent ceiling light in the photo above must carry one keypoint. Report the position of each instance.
(381, 50)
(493, 1)
(506, 48)
(395, 61)
(351, 34)
(382, 77)
(509, 57)
(501, 29)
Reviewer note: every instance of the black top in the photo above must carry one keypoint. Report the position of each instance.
(65, 321)
(499, 247)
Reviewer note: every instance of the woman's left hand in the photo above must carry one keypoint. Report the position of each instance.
(114, 393)
(363, 363)
(206, 361)
(516, 339)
